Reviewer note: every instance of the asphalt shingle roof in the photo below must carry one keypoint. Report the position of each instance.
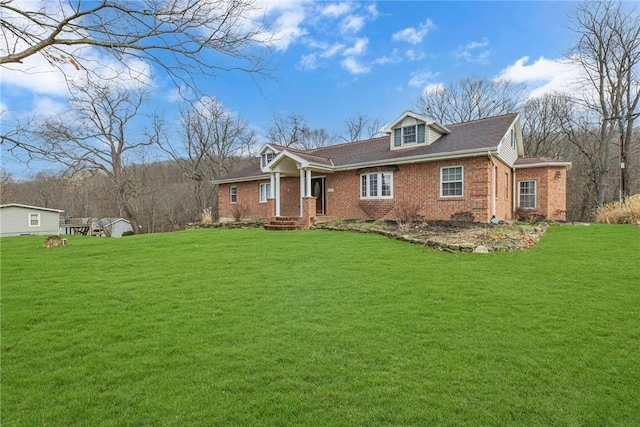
(475, 135)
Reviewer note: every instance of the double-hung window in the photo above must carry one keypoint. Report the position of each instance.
(376, 185)
(266, 158)
(409, 135)
(34, 220)
(265, 191)
(233, 194)
(451, 181)
(527, 194)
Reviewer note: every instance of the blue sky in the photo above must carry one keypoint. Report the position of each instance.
(334, 60)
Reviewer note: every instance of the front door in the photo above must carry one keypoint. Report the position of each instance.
(317, 191)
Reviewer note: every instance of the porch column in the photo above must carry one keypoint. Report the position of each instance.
(302, 191)
(277, 185)
(308, 192)
(272, 186)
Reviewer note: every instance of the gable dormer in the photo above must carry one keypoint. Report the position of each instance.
(267, 154)
(412, 129)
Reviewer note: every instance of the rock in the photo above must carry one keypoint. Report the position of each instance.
(480, 249)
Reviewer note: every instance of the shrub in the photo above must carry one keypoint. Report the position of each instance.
(615, 213)
(207, 216)
(462, 216)
(127, 233)
(53, 242)
(406, 211)
(239, 212)
(528, 215)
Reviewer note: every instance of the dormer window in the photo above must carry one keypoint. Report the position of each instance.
(266, 158)
(409, 135)
(411, 129)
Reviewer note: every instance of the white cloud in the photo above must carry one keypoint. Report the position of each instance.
(308, 62)
(352, 24)
(413, 35)
(433, 88)
(473, 52)
(412, 55)
(354, 67)
(420, 79)
(358, 49)
(336, 10)
(394, 58)
(288, 28)
(332, 50)
(544, 75)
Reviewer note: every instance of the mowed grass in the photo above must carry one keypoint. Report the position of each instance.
(317, 328)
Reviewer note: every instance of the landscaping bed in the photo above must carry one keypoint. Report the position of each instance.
(451, 236)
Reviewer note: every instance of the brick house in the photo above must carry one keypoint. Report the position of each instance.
(473, 170)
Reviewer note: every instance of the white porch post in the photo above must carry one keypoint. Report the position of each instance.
(302, 191)
(277, 193)
(308, 192)
(272, 186)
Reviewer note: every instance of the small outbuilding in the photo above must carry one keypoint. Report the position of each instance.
(114, 227)
(23, 220)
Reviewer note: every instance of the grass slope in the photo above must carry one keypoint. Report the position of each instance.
(246, 327)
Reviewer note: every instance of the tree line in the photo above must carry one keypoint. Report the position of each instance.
(108, 147)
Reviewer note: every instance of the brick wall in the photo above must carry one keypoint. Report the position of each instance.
(249, 195)
(419, 183)
(551, 199)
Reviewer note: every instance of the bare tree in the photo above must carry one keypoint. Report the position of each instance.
(471, 98)
(292, 131)
(543, 119)
(608, 52)
(97, 135)
(361, 127)
(287, 130)
(315, 138)
(179, 36)
(213, 139)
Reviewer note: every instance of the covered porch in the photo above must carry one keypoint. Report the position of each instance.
(310, 194)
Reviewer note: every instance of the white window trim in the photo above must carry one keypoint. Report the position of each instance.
(415, 135)
(265, 160)
(442, 168)
(29, 219)
(535, 194)
(267, 191)
(379, 186)
(231, 194)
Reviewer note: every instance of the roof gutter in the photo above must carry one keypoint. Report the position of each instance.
(547, 164)
(240, 179)
(416, 159)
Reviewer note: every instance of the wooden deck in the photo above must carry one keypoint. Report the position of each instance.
(82, 226)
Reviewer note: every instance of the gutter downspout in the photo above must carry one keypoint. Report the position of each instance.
(514, 191)
(493, 185)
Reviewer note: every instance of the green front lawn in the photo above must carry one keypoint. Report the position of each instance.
(248, 327)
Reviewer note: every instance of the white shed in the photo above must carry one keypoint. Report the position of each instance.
(114, 227)
(22, 220)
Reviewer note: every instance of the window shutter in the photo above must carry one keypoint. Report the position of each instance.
(421, 133)
(397, 137)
